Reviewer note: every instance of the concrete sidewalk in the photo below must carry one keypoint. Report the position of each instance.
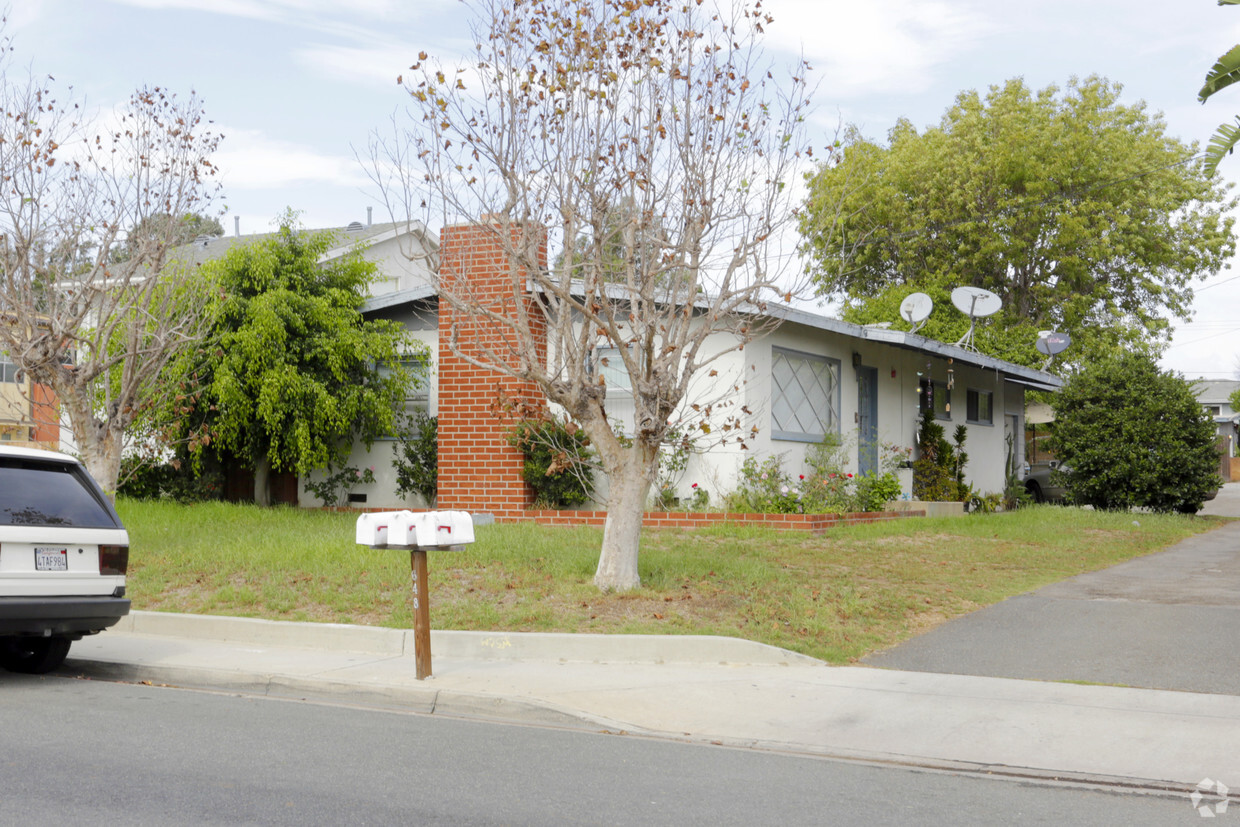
(703, 689)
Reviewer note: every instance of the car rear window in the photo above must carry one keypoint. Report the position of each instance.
(42, 493)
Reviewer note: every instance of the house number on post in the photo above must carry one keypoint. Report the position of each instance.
(440, 530)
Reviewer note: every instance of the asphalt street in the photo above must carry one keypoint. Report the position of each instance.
(90, 752)
(1169, 620)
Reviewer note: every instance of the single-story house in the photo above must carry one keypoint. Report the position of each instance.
(1215, 398)
(812, 375)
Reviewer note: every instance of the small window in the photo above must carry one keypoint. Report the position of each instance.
(980, 407)
(1214, 410)
(805, 396)
(936, 393)
(621, 409)
(609, 365)
(9, 372)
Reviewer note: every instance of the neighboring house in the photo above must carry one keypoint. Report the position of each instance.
(813, 375)
(1215, 398)
(28, 412)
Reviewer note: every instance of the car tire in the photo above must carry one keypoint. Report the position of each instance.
(1035, 491)
(33, 655)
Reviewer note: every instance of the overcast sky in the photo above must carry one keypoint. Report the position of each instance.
(296, 85)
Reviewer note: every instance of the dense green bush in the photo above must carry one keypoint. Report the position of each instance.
(178, 480)
(557, 461)
(938, 471)
(416, 457)
(1134, 436)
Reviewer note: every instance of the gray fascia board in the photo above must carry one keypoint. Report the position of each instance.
(1037, 379)
(1018, 374)
(397, 298)
(385, 233)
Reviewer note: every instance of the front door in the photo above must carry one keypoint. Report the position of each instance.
(867, 420)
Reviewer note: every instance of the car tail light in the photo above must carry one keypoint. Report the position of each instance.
(113, 559)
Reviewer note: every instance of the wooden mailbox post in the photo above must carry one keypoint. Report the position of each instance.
(442, 530)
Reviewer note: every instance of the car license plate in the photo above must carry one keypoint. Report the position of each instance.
(51, 559)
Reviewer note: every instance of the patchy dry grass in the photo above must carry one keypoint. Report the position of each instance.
(836, 597)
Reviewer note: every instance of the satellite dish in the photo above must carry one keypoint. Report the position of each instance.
(1051, 343)
(976, 303)
(915, 309)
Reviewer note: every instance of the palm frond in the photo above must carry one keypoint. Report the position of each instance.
(1224, 74)
(1222, 142)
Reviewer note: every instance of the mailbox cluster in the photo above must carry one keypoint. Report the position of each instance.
(405, 529)
(417, 533)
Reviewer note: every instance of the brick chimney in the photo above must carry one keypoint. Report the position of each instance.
(478, 470)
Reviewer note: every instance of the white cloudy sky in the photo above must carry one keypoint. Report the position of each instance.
(295, 85)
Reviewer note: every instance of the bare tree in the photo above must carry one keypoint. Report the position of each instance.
(85, 310)
(651, 142)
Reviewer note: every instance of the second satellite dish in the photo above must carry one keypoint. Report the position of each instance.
(1051, 343)
(915, 309)
(976, 303)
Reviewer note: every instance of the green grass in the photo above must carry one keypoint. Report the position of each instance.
(836, 597)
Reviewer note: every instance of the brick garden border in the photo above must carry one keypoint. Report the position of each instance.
(813, 523)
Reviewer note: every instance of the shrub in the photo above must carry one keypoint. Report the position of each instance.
(1134, 436)
(557, 460)
(177, 480)
(938, 471)
(416, 457)
(876, 490)
(828, 489)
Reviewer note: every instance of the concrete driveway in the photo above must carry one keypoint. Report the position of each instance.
(1165, 621)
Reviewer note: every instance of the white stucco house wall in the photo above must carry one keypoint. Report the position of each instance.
(813, 374)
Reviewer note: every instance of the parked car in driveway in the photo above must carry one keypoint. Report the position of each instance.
(1042, 484)
(63, 558)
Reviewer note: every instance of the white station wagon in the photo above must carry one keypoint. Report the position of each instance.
(63, 558)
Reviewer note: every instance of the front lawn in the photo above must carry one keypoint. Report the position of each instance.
(836, 597)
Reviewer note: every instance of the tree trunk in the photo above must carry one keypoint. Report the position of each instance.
(262, 482)
(617, 562)
(98, 446)
(102, 459)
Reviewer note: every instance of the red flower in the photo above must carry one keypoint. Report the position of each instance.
(850, 476)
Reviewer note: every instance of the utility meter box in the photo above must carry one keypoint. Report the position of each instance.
(405, 529)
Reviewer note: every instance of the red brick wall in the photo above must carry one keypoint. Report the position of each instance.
(478, 469)
(813, 523)
(46, 415)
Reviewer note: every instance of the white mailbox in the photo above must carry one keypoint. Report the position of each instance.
(405, 529)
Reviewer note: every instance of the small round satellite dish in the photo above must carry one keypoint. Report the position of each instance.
(976, 302)
(916, 308)
(1052, 343)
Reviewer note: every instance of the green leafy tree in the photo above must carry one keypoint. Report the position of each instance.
(1134, 436)
(1079, 211)
(1223, 74)
(178, 231)
(291, 374)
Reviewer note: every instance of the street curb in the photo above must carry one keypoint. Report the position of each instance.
(477, 646)
(423, 700)
(428, 700)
